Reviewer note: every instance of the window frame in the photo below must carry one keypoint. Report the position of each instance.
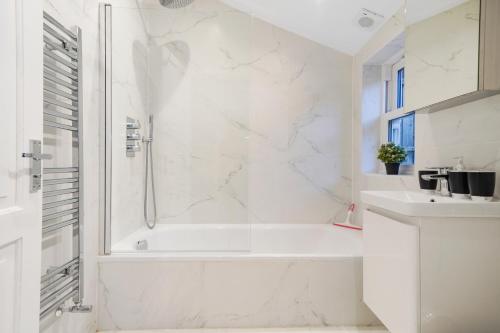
(400, 65)
(390, 79)
(389, 134)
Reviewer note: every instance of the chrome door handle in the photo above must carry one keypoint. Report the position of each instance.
(36, 158)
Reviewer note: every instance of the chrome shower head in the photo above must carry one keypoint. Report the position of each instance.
(175, 4)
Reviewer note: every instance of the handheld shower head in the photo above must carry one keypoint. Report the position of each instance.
(149, 138)
(175, 4)
(148, 142)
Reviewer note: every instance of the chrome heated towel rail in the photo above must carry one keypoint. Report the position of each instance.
(62, 185)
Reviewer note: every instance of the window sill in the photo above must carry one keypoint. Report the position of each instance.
(373, 174)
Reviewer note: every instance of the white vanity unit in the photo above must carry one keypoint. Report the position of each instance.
(431, 264)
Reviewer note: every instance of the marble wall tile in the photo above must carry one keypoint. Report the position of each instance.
(370, 121)
(253, 123)
(469, 131)
(217, 294)
(129, 99)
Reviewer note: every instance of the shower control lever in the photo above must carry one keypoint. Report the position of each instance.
(132, 148)
(133, 135)
(133, 123)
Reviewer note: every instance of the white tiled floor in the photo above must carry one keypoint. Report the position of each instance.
(268, 330)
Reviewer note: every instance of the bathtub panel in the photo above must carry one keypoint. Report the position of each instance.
(211, 294)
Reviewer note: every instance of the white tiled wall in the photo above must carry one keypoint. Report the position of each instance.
(252, 123)
(129, 99)
(469, 130)
(370, 120)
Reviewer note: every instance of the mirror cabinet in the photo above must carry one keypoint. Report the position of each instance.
(452, 52)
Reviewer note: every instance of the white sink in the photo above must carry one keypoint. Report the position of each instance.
(428, 205)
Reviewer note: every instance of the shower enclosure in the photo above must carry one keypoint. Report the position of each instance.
(166, 77)
(251, 156)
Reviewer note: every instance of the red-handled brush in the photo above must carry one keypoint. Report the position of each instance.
(347, 223)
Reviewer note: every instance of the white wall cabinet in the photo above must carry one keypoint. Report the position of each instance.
(451, 54)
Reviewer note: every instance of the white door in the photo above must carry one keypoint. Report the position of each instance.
(20, 120)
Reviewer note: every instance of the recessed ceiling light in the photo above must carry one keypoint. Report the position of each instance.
(365, 21)
(368, 19)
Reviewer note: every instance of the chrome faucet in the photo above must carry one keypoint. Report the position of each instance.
(442, 177)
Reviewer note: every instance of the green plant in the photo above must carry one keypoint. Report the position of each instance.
(391, 153)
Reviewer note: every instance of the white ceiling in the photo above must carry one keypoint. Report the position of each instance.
(329, 22)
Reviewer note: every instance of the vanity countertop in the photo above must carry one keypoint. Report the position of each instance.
(420, 204)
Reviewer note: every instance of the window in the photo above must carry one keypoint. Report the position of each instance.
(395, 87)
(402, 133)
(400, 87)
(400, 125)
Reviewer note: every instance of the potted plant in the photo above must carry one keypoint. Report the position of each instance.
(392, 155)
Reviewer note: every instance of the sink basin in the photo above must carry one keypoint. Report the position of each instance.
(418, 204)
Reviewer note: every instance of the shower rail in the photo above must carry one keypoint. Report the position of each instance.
(62, 192)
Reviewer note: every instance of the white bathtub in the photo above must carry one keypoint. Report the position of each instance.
(226, 276)
(244, 241)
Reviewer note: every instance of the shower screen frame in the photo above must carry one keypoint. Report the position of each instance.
(105, 40)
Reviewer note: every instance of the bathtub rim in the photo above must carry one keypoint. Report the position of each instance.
(245, 254)
(221, 257)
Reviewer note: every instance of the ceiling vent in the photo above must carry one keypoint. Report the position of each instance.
(368, 20)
